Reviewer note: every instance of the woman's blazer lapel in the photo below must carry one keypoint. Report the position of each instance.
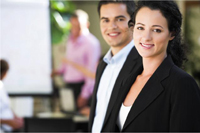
(152, 89)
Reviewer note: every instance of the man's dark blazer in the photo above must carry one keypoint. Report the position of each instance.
(131, 65)
(169, 102)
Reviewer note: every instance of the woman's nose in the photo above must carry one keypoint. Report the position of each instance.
(147, 36)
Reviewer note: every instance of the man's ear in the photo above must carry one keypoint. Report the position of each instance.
(131, 25)
(88, 24)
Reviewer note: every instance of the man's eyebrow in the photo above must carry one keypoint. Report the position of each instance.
(103, 18)
(120, 16)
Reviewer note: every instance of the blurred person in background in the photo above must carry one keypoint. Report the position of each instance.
(8, 119)
(85, 110)
(83, 48)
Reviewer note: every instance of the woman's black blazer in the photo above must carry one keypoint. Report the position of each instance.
(170, 101)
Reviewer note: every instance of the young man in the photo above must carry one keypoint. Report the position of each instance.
(121, 60)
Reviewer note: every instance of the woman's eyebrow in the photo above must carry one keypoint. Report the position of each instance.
(152, 26)
(157, 26)
(140, 24)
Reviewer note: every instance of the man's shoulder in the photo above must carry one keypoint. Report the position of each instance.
(101, 64)
(134, 53)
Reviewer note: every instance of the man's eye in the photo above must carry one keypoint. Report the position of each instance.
(157, 30)
(120, 19)
(105, 20)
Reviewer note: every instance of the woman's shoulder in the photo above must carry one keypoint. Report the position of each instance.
(182, 81)
(183, 89)
(179, 74)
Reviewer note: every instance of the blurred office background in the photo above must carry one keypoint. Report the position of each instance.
(35, 32)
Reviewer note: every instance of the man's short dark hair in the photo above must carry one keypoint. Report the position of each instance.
(4, 67)
(130, 5)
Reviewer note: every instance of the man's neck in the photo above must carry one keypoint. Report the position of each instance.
(115, 50)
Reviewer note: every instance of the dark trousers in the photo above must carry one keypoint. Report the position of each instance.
(76, 89)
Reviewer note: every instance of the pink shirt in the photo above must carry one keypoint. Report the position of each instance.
(85, 51)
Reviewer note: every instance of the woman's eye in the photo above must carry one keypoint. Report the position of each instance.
(140, 28)
(157, 30)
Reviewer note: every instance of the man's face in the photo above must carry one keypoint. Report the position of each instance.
(75, 27)
(114, 25)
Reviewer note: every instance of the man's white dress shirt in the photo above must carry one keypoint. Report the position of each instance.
(107, 82)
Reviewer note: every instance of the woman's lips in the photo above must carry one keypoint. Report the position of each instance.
(147, 46)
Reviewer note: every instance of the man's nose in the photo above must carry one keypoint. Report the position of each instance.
(112, 25)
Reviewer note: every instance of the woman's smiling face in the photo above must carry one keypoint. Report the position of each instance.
(151, 34)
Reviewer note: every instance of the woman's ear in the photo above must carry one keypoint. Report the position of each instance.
(172, 35)
(171, 38)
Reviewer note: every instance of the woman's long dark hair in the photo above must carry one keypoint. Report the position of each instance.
(170, 11)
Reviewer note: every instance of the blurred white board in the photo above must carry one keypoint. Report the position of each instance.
(25, 41)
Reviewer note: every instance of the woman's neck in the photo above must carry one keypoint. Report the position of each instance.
(150, 64)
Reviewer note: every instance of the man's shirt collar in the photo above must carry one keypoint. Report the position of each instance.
(116, 59)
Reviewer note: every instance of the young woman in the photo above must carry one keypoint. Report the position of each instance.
(163, 97)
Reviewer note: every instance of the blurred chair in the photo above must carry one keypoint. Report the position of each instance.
(68, 106)
(49, 125)
(67, 100)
